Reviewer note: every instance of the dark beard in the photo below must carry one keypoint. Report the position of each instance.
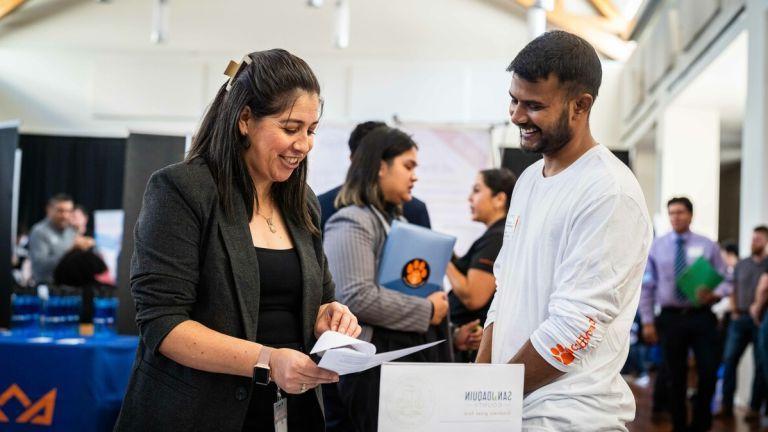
(551, 142)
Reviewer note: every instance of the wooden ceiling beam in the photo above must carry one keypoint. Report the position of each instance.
(606, 43)
(608, 9)
(602, 33)
(8, 6)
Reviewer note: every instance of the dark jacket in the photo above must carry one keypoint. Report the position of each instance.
(190, 262)
(414, 211)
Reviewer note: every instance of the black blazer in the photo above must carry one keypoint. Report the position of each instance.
(191, 263)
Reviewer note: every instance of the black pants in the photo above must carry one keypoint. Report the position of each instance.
(335, 416)
(303, 411)
(359, 392)
(680, 331)
(661, 387)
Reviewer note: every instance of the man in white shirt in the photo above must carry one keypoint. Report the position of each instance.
(575, 246)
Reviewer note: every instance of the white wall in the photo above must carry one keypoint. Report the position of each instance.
(434, 61)
(106, 94)
(690, 165)
(83, 67)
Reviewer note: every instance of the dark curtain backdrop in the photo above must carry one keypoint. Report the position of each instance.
(89, 169)
(144, 155)
(8, 140)
(518, 160)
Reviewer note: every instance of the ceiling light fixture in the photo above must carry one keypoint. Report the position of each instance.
(342, 24)
(160, 21)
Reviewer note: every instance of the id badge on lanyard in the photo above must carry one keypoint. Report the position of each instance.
(280, 409)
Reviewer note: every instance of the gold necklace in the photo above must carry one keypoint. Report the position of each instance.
(270, 222)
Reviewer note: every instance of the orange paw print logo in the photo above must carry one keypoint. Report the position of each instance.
(416, 273)
(562, 354)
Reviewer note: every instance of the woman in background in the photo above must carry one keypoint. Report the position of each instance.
(471, 276)
(380, 179)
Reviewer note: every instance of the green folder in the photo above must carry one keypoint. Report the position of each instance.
(697, 275)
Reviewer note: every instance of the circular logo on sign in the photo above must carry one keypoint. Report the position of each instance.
(415, 273)
(409, 404)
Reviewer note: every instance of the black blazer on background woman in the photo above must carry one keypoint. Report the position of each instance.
(190, 262)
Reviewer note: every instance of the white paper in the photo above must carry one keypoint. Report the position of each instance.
(345, 355)
(446, 397)
(332, 339)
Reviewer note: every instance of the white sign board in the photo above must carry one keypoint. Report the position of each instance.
(108, 229)
(446, 397)
(449, 160)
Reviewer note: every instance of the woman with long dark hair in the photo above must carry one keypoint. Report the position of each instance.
(379, 181)
(229, 277)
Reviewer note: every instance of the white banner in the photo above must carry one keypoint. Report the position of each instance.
(449, 160)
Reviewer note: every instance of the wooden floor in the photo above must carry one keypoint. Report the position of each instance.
(645, 421)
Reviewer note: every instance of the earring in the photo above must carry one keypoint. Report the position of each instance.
(245, 143)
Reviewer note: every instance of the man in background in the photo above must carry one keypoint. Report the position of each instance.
(742, 330)
(54, 236)
(682, 324)
(415, 211)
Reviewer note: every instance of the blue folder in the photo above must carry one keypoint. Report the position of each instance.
(414, 259)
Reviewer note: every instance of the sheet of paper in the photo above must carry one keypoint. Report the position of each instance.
(347, 360)
(451, 397)
(331, 339)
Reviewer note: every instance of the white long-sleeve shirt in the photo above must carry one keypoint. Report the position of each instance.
(568, 276)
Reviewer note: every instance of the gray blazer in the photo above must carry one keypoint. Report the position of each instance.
(191, 263)
(354, 239)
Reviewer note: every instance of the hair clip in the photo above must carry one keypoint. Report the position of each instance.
(233, 68)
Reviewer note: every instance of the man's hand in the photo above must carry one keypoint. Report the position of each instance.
(706, 297)
(649, 334)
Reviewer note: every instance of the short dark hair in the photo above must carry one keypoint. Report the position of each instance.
(361, 187)
(762, 229)
(500, 180)
(59, 197)
(681, 200)
(730, 247)
(360, 131)
(570, 58)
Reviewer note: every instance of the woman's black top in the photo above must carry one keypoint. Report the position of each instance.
(280, 302)
(481, 256)
(280, 327)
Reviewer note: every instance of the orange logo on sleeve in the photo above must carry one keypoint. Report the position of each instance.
(415, 273)
(562, 354)
(565, 355)
(39, 413)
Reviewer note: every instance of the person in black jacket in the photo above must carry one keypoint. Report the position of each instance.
(229, 277)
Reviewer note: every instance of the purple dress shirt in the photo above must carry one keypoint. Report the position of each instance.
(659, 286)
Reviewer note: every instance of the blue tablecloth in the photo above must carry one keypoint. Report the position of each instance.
(63, 385)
